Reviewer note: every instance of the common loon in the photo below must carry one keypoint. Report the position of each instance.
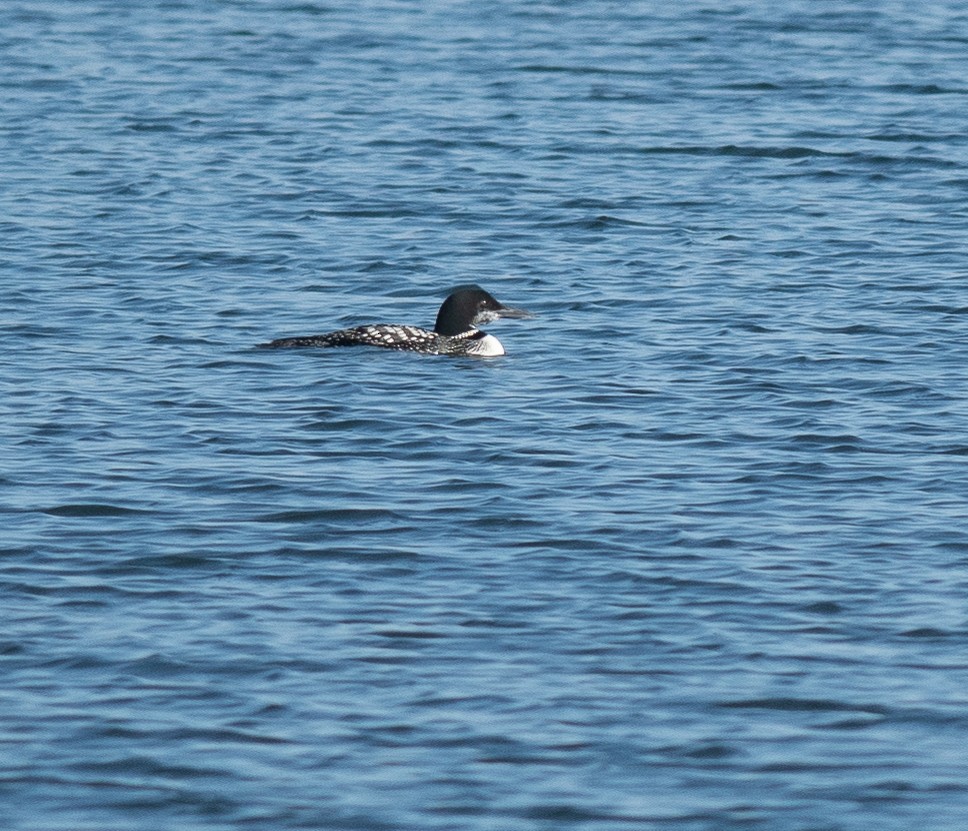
(454, 333)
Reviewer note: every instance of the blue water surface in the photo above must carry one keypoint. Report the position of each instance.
(692, 556)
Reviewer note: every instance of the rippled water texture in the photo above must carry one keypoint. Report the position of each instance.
(692, 556)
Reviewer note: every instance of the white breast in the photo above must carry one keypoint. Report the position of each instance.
(486, 347)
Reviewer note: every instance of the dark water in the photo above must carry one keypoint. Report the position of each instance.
(694, 555)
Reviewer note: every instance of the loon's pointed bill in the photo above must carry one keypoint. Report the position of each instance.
(455, 331)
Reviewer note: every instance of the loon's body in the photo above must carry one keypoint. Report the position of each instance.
(454, 333)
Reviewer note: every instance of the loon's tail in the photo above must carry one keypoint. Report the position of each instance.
(287, 342)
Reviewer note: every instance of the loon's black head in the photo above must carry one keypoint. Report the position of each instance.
(466, 307)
